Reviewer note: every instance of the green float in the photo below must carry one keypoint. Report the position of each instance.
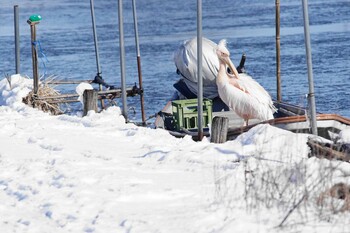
(34, 18)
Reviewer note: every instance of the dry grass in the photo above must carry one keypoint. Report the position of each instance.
(44, 90)
(337, 198)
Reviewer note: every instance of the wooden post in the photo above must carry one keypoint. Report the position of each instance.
(32, 21)
(278, 52)
(90, 101)
(139, 63)
(219, 130)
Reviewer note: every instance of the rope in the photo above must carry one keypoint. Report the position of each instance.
(43, 57)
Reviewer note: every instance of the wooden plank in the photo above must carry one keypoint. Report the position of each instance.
(57, 96)
(62, 101)
(59, 82)
(287, 120)
(130, 92)
(327, 151)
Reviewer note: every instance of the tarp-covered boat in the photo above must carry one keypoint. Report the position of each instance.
(288, 116)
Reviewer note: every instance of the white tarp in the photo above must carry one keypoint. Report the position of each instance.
(185, 59)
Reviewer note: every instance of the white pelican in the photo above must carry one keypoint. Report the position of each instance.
(240, 92)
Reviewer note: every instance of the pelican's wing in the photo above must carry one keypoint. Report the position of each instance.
(236, 83)
(255, 90)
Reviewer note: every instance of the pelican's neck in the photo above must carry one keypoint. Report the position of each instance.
(222, 67)
(233, 68)
(222, 75)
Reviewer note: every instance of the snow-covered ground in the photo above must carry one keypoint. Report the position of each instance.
(98, 174)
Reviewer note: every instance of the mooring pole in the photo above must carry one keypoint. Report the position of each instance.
(99, 72)
(311, 95)
(122, 59)
(89, 101)
(33, 21)
(17, 47)
(278, 52)
(219, 129)
(95, 37)
(199, 70)
(139, 62)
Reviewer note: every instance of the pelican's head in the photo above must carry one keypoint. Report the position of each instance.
(222, 51)
(224, 56)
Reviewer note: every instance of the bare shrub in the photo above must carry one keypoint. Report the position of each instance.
(296, 189)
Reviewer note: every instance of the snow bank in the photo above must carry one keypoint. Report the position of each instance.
(344, 136)
(98, 174)
(12, 91)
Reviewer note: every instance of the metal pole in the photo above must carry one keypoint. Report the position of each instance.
(16, 14)
(95, 36)
(139, 62)
(96, 45)
(122, 58)
(199, 70)
(278, 52)
(311, 95)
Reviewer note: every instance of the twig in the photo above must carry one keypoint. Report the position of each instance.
(8, 77)
(291, 210)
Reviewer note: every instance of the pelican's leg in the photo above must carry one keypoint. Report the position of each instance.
(246, 122)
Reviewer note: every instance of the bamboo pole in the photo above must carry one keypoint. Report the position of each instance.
(139, 62)
(278, 52)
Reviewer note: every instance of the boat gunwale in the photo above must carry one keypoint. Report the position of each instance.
(290, 119)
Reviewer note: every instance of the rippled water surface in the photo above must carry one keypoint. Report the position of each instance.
(66, 38)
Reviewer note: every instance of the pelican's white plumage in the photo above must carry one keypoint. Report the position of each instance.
(240, 92)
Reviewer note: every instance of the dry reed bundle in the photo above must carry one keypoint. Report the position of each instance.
(44, 90)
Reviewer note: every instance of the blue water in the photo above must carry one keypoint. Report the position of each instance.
(66, 38)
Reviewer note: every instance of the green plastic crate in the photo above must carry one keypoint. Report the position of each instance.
(186, 114)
